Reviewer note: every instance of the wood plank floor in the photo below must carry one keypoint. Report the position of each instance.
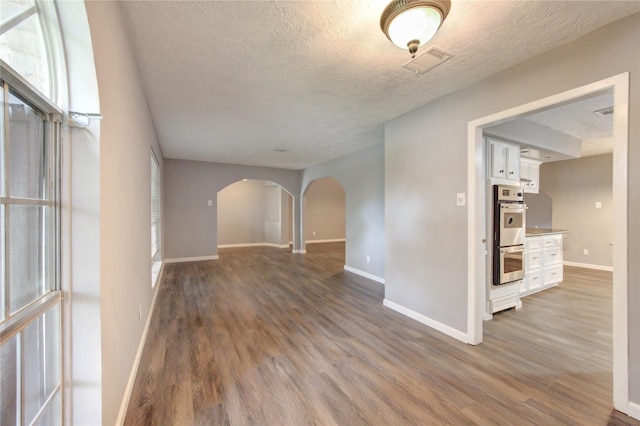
(264, 337)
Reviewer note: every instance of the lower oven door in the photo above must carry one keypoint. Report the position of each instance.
(509, 265)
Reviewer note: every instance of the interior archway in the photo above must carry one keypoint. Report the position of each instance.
(324, 211)
(253, 212)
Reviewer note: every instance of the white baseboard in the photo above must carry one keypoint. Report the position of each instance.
(364, 274)
(124, 405)
(634, 410)
(589, 266)
(223, 246)
(191, 259)
(443, 328)
(337, 240)
(299, 251)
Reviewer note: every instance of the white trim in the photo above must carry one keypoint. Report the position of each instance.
(476, 237)
(223, 246)
(477, 224)
(191, 259)
(336, 240)
(620, 219)
(443, 328)
(299, 251)
(364, 274)
(634, 410)
(124, 405)
(588, 266)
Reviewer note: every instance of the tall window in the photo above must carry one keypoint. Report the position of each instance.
(155, 219)
(29, 212)
(22, 43)
(30, 296)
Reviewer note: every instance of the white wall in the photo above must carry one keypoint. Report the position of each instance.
(80, 225)
(426, 165)
(324, 210)
(126, 140)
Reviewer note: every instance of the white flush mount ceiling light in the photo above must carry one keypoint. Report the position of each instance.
(411, 23)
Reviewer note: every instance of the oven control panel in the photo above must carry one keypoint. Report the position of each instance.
(508, 193)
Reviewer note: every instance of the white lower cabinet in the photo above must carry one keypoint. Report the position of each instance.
(543, 263)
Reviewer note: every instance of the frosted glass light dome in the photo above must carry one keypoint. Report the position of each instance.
(417, 23)
(411, 23)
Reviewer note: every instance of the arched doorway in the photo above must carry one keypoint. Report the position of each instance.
(253, 212)
(324, 224)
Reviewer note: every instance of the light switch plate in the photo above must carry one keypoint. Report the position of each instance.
(210, 203)
(598, 204)
(461, 199)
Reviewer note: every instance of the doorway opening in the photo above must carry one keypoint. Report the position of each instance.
(255, 213)
(477, 237)
(324, 206)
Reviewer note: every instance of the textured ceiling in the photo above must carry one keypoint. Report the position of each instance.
(579, 120)
(235, 81)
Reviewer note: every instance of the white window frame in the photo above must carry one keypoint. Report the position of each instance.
(14, 323)
(156, 219)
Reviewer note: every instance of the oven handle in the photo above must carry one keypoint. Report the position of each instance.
(516, 207)
(512, 249)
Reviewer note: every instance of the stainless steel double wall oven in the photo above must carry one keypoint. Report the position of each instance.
(509, 227)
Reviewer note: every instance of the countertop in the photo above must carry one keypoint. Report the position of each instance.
(534, 232)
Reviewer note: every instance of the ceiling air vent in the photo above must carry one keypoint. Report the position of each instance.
(604, 111)
(430, 59)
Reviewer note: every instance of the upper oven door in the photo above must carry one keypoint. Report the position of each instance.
(512, 228)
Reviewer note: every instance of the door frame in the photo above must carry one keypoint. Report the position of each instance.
(476, 219)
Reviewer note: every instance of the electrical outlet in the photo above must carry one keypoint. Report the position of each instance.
(210, 203)
(598, 204)
(314, 233)
(461, 199)
(585, 251)
(368, 259)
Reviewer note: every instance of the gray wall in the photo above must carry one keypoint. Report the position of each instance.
(540, 210)
(127, 136)
(426, 165)
(362, 177)
(190, 224)
(575, 186)
(286, 215)
(324, 210)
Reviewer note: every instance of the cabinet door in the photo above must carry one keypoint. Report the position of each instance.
(513, 162)
(498, 160)
(525, 170)
(530, 175)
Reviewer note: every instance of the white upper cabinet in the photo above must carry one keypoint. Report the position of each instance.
(530, 175)
(504, 162)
